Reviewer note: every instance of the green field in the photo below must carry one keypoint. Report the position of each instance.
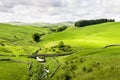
(90, 60)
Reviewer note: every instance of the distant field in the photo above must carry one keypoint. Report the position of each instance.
(90, 60)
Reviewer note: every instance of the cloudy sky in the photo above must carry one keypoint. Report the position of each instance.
(57, 10)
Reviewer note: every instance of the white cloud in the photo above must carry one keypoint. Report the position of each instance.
(57, 10)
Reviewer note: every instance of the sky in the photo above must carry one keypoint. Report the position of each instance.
(53, 11)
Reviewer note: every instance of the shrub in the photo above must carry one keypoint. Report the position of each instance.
(58, 29)
(67, 77)
(2, 44)
(60, 44)
(81, 60)
(73, 67)
(63, 47)
(90, 69)
(36, 36)
(61, 28)
(84, 69)
(96, 64)
(66, 48)
(59, 48)
(64, 76)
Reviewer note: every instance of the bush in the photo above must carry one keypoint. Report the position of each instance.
(60, 44)
(58, 29)
(82, 60)
(64, 76)
(73, 67)
(90, 69)
(59, 48)
(63, 47)
(66, 48)
(67, 77)
(2, 44)
(36, 36)
(61, 28)
(84, 69)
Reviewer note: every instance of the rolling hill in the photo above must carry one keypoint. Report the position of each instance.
(42, 24)
(96, 53)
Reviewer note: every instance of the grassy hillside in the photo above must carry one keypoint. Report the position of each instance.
(97, 35)
(14, 41)
(90, 59)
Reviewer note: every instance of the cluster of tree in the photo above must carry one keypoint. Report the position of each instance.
(58, 29)
(36, 36)
(92, 22)
(61, 47)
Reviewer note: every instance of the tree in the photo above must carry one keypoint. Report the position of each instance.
(83, 23)
(58, 29)
(36, 37)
